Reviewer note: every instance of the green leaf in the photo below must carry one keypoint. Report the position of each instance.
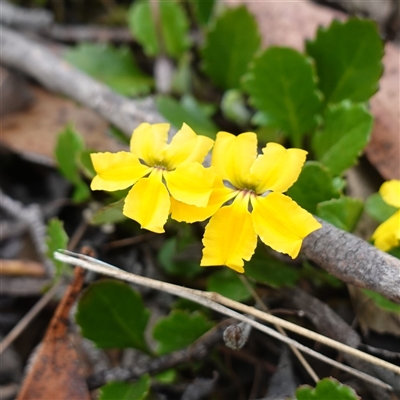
(182, 81)
(378, 209)
(179, 329)
(189, 306)
(233, 107)
(110, 214)
(126, 391)
(188, 110)
(395, 252)
(347, 129)
(56, 239)
(167, 376)
(281, 84)
(382, 301)
(266, 269)
(327, 389)
(314, 185)
(348, 59)
(141, 24)
(319, 277)
(173, 23)
(344, 213)
(86, 165)
(168, 257)
(229, 47)
(112, 315)
(113, 66)
(228, 283)
(68, 151)
(203, 10)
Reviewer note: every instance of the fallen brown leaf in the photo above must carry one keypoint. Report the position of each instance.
(55, 372)
(33, 131)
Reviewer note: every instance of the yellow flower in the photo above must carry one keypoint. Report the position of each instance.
(159, 172)
(387, 235)
(255, 184)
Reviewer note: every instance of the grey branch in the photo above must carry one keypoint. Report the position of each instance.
(57, 75)
(24, 18)
(353, 260)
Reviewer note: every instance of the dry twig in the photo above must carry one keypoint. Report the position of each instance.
(220, 304)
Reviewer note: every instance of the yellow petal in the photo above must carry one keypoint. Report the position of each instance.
(387, 235)
(116, 171)
(148, 203)
(233, 156)
(186, 213)
(191, 183)
(149, 141)
(390, 192)
(229, 237)
(281, 223)
(186, 146)
(277, 168)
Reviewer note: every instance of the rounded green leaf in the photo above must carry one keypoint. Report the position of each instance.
(113, 66)
(110, 214)
(112, 315)
(56, 239)
(203, 10)
(281, 84)
(141, 24)
(174, 27)
(126, 391)
(188, 111)
(168, 257)
(378, 209)
(268, 270)
(344, 213)
(348, 57)
(68, 152)
(314, 185)
(229, 47)
(228, 283)
(327, 389)
(346, 131)
(179, 329)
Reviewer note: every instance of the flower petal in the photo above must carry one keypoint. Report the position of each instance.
(233, 156)
(277, 168)
(387, 235)
(191, 183)
(148, 203)
(390, 192)
(229, 237)
(220, 194)
(149, 141)
(186, 146)
(281, 223)
(116, 171)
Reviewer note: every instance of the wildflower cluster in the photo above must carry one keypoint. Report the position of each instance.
(241, 191)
